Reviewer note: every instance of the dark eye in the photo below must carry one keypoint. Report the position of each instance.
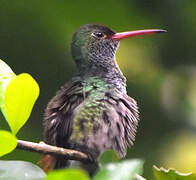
(98, 34)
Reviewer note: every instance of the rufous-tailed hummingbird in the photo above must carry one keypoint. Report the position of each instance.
(92, 112)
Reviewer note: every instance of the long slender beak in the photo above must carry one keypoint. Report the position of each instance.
(122, 35)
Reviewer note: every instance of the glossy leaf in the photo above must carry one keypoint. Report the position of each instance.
(108, 157)
(124, 170)
(171, 174)
(8, 142)
(72, 174)
(20, 170)
(6, 75)
(20, 96)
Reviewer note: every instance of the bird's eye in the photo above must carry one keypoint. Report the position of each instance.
(98, 35)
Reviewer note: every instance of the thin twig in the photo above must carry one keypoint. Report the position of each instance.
(52, 150)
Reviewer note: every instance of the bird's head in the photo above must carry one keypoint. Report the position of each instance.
(93, 44)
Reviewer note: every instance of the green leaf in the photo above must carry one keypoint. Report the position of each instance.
(8, 142)
(6, 75)
(124, 170)
(138, 177)
(72, 174)
(108, 157)
(20, 96)
(20, 170)
(171, 174)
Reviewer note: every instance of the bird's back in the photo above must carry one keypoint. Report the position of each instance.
(91, 116)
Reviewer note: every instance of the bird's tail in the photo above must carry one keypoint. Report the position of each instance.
(47, 162)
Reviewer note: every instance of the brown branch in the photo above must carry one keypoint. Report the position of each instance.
(52, 150)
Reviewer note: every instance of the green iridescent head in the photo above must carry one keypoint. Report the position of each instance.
(93, 44)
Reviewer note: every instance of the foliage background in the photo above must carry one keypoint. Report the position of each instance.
(35, 37)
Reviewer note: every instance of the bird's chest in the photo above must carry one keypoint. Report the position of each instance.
(87, 115)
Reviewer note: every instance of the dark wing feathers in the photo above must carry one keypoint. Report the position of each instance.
(122, 113)
(59, 113)
(115, 130)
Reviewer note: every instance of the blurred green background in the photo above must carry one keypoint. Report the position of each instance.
(35, 37)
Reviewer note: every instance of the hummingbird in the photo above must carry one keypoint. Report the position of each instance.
(92, 112)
